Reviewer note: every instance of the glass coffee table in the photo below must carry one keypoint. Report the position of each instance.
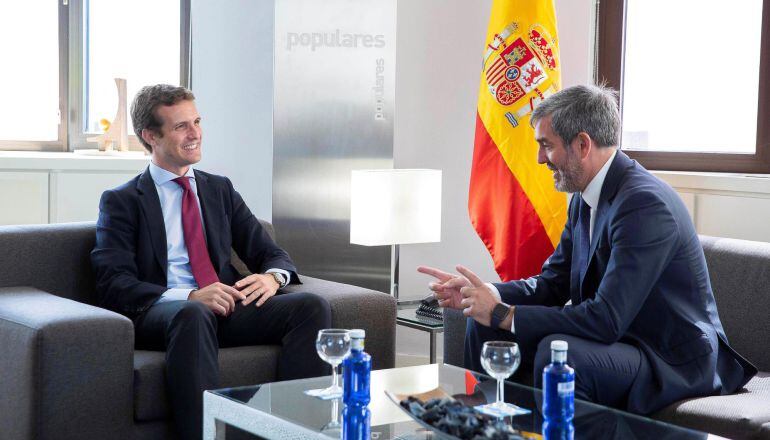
(282, 410)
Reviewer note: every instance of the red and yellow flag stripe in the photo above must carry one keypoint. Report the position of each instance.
(513, 204)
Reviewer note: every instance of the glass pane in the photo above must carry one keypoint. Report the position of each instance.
(29, 78)
(137, 40)
(691, 75)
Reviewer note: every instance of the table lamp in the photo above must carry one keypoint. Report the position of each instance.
(395, 207)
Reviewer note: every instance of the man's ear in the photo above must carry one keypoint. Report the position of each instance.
(584, 144)
(149, 136)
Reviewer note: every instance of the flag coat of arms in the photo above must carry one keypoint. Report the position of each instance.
(512, 201)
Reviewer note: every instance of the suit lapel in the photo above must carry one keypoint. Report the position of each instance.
(148, 198)
(609, 189)
(211, 217)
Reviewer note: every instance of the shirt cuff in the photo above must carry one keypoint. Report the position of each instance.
(285, 273)
(497, 294)
(175, 294)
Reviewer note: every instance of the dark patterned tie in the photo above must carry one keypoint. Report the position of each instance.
(584, 237)
(200, 262)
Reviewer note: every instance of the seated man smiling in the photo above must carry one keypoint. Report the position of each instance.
(162, 258)
(642, 327)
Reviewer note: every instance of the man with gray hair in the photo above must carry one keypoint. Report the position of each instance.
(627, 287)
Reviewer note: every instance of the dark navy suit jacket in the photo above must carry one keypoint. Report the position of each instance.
(130, 255)
(646, 284)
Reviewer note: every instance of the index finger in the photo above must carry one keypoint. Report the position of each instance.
(436, 273)
(245, 281)
(475, 280)
(232, 291)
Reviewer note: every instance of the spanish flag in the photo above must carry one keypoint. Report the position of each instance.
(513, 204)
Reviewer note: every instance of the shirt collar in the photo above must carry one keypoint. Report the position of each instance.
(161, 176)
(594, 188)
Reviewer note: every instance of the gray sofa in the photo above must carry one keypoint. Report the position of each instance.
(740, 277)
(68, 369)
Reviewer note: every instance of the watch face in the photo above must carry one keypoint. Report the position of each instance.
(498, 313)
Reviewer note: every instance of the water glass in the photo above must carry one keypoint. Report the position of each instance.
(500, 359)
(333, 346)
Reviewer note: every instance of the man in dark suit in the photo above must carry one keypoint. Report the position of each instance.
(162, 258)
(642, 327)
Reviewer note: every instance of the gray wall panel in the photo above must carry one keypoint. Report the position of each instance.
(332, 113)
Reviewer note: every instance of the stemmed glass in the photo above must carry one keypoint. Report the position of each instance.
(334, 427)
(333, 346)
(500, 359)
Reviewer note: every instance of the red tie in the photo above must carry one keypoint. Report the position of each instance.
(200, 262)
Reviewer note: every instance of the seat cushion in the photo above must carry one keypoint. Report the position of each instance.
(238, 366)
(744, 415)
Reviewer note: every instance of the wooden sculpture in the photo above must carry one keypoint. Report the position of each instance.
(117, 133)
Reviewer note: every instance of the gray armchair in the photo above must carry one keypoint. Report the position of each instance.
(69, 369)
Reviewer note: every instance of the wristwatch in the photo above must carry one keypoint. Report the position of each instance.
(498, 314)
(280, 279)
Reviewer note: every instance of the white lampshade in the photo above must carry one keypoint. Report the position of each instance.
(395, 207)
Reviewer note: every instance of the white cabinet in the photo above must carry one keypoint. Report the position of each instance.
(75, 195)
(38, 187)
(23, 197)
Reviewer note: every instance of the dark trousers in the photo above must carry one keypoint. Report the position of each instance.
(604, 373)
(191, 334)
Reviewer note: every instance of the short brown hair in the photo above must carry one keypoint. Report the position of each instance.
(148, 99)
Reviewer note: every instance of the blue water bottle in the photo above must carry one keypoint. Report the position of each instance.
(558, 386)
(355, 394)
(558, 430)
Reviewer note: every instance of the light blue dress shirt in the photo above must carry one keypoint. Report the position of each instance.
(180, 280)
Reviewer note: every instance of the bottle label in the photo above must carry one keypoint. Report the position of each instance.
(566, 388)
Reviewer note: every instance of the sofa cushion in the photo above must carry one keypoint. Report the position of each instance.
(238, 366)
(740, 415)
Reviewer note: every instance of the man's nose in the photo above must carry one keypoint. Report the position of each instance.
(541, 157)
(194, 132)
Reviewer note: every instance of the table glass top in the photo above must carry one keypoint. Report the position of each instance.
(287, 401)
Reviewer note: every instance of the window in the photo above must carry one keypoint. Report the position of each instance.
(31, 104)
(693, 76)
(67, 57)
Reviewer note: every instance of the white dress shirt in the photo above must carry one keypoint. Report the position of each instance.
(593, 191)
(180, 280)
(590, 195)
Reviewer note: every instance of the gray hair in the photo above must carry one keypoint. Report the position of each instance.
(147, 101)
(584, 108)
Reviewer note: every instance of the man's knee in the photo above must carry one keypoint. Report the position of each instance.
(315, 307)
(194, 313)
(543, 355)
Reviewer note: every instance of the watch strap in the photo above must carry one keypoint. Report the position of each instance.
(280, 279)
(498, 314)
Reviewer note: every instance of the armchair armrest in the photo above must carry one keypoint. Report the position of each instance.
(455, 324)
(357, 307)
(67, 368)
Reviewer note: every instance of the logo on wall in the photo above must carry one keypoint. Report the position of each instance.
(520, 69)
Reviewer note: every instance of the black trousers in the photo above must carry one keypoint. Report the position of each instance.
(191, 335)
(604, 373)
